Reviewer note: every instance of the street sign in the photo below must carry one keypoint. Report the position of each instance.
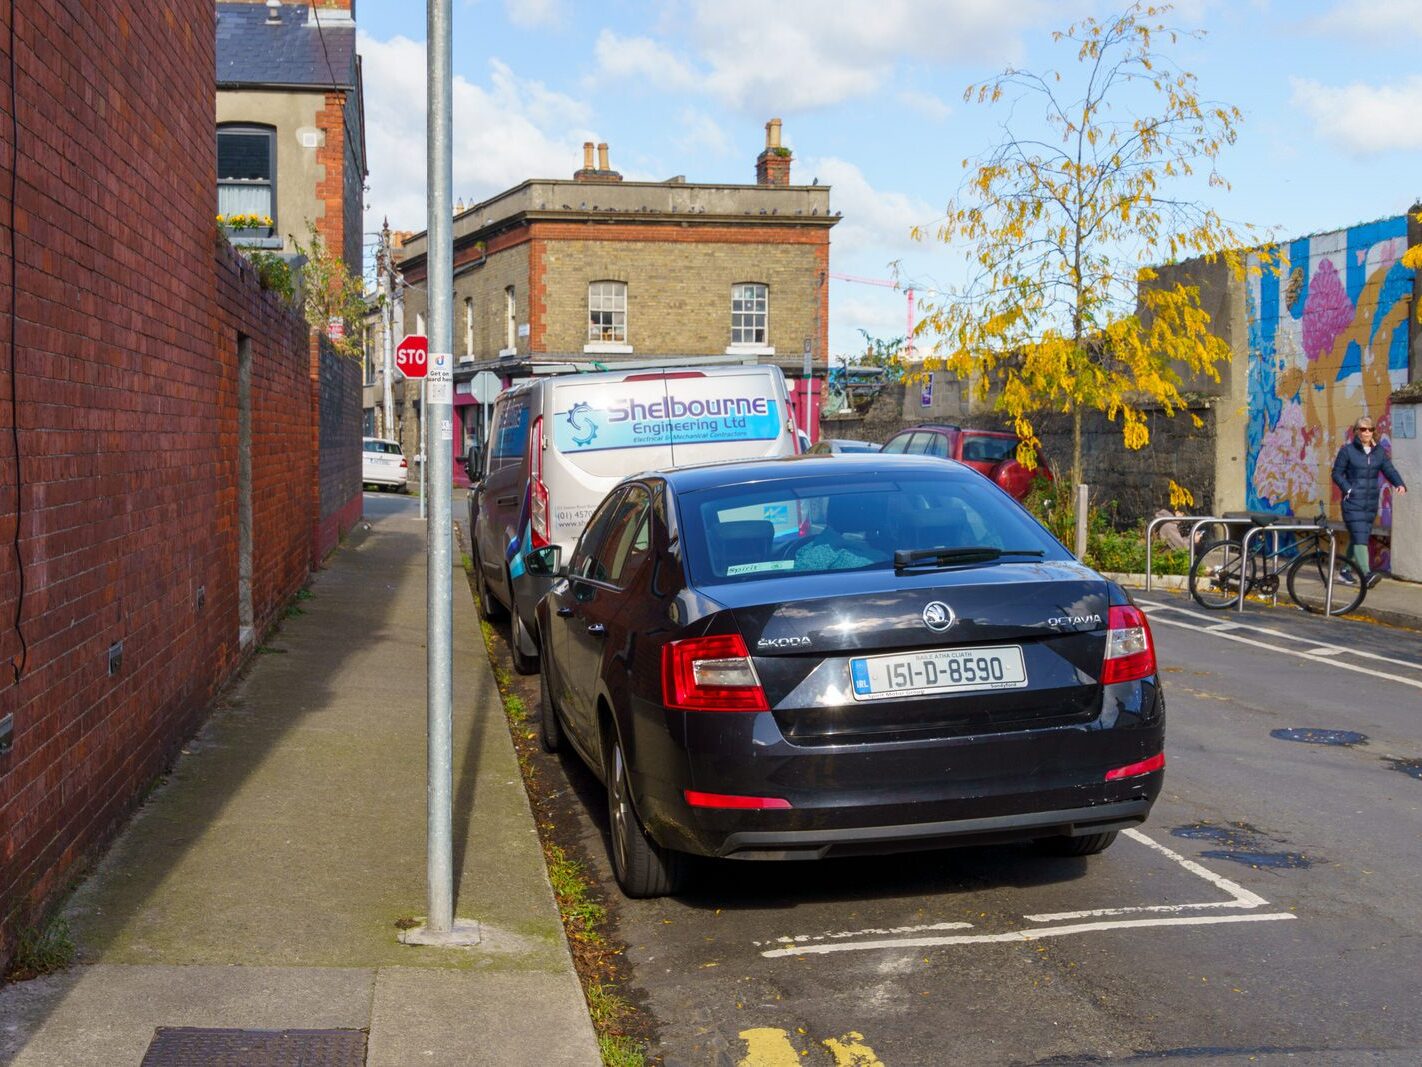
(412, 357)
(485, 386)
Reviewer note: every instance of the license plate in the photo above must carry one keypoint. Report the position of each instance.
(945, 670)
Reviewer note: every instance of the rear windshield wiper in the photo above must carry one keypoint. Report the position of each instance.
(947, 557)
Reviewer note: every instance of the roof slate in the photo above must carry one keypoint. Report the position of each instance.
(249, 52)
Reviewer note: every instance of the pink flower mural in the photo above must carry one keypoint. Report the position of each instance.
(1327, 311)
(1287, 464)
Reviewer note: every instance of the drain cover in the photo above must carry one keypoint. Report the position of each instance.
(1311, 735)
(192, 1046)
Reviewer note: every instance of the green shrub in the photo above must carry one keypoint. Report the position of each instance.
(273, 273)
(1107, 548)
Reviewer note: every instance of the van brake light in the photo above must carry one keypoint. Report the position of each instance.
(539, 508)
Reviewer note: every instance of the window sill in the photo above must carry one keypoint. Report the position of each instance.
(750, 350)
(607, 348)
(242, 240)
(506, 352)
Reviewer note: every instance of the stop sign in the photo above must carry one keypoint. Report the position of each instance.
(412, 357)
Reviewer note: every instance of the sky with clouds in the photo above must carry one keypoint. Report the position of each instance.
(871, 95)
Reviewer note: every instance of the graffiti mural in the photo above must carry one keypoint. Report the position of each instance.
(1327, 344)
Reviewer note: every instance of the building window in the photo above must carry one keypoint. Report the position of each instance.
(246, 171)
(469, 326)
(607, 313)
(750, 302)
(510, 319)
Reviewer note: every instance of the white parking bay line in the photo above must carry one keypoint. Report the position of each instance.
(803, 938)
(1024, 935)
(1239, 897)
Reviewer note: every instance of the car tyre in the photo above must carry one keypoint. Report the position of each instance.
(523, 663)
(643, 868)
(1087, 845)
(490, 609)
(550, 730)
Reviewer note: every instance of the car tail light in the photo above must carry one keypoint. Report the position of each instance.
(1130, 650)
(728, 800)
(1135, 770)
(539, 509)
(404, 463)
(710, 674)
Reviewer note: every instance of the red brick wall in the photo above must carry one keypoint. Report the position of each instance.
(125, 323)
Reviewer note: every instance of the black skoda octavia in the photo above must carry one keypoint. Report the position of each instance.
(823, 656)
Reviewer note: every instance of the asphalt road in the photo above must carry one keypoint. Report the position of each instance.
(1269, 911)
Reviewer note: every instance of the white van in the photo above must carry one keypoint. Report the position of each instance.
(557, 446)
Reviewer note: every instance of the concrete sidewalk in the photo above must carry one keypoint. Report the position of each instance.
(260, 886)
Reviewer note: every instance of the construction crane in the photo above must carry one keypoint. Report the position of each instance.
(887, 284)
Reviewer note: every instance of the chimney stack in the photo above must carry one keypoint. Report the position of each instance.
(602, 172)
(772, 166)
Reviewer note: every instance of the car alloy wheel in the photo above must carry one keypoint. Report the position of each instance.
(642, 867)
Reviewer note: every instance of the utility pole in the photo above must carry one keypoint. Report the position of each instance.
(382, 272)
(439, 433)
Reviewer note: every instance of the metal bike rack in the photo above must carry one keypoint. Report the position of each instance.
(1276, 530)
(1197, 520)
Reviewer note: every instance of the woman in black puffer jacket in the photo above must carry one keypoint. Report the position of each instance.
(1355, 472)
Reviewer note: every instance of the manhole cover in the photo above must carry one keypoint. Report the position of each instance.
(1311, 735)
(192, 1046)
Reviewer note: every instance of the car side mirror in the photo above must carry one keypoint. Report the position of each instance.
(471, 461)
(546, 561)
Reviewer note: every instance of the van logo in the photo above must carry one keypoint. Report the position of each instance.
(938, 616)
(581, 420)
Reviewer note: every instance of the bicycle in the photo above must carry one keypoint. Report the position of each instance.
(1220, 569)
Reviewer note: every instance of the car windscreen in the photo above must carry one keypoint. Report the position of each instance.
(815, 525)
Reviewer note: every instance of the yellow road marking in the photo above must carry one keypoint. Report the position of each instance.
(768, 1046)
(849, 1050)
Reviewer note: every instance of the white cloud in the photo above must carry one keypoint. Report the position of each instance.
(1364, 119)
(701, 135)
(926, 104)
(801, 54)
(533, 14)
(873, 220)
(504, 132)
(1377, 19)
(644, 58)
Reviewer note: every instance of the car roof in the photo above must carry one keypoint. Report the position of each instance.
(709, 475)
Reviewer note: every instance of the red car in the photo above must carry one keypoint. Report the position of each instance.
(990, 452)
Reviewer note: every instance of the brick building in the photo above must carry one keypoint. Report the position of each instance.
(175, 445)
(291, 123)
(600, 270)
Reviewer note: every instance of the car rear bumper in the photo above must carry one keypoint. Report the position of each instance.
(867, 798)
(859, 840)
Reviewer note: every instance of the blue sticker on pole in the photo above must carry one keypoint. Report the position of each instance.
(665, 420)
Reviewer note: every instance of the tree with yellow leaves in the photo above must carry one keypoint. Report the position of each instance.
(1061, 312)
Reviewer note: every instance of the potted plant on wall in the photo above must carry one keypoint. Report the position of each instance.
(238, 226)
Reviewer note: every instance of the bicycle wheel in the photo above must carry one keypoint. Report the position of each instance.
(1308, 583)
(1216, 573)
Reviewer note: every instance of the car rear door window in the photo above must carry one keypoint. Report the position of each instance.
(918, 444)
(627, 541)
(983, 449)
(585, 552)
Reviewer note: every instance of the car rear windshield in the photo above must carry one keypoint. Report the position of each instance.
(814, 525)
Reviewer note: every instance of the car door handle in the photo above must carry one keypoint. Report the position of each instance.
(564, 612)
(505, 501)
(597, 629)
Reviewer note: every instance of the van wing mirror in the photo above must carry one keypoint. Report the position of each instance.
(471, 461)
(546, 561)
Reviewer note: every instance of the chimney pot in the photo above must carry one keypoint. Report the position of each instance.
(587, 155)
(602, 157)
(772, 134)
